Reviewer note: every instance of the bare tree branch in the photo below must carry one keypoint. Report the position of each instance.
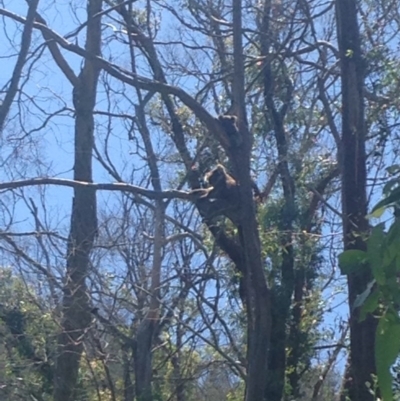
(171, 194)
(25, 43)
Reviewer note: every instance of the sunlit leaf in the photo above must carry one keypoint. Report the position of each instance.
(364, 295)
(390, 200)
(370, 304)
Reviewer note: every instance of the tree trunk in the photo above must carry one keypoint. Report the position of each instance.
(150, 323)
(76, 310)
(354, 201)
(258, 306)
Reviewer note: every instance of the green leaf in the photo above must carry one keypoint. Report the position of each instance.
(387, 348)
(390, 200)
(375, 246)
(370, 305)
(390, 186)
(394, 169)
(364, 295)
(377, 212)
(352, 260)
(394, 233)
(392, 246)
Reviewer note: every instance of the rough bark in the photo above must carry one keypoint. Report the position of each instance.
(354, 200)
(281, 295)
(76, 311)
(257, 292)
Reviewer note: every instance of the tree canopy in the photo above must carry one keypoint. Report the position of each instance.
(199, 200)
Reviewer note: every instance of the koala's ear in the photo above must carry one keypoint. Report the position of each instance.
(229, 124)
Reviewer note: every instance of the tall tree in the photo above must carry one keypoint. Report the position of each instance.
(352, 157)
(76, 307)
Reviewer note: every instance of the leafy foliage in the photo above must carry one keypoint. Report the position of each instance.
(382, 297)
(28, 343)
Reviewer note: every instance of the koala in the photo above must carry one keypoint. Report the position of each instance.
(222, 195)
